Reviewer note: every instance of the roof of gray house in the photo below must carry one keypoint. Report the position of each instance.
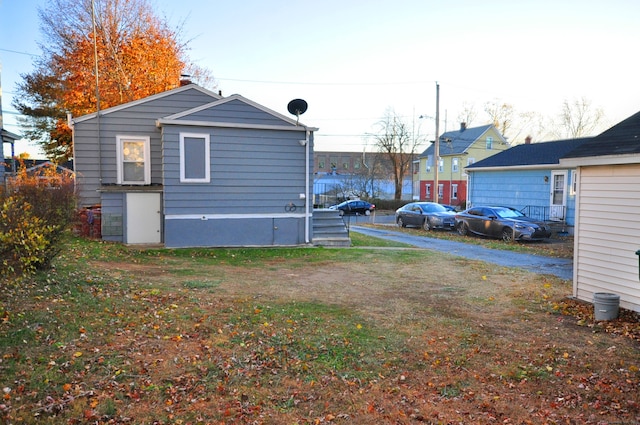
(227, 107)
(531, 154)
(8, 136)
(623, 138)
(457, 142)
(148, 99)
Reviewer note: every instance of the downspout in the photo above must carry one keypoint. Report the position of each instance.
(306, 188)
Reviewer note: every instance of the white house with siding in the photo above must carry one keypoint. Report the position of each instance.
(190, 168)
(607, 232)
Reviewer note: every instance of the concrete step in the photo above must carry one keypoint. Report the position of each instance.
(329, 229)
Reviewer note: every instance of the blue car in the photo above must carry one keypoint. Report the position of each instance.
(354, 207)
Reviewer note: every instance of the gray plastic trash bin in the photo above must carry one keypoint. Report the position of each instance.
(606, 306)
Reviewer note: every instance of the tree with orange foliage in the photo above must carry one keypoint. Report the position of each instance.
(138, 55)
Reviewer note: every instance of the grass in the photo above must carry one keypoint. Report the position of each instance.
(304, 336)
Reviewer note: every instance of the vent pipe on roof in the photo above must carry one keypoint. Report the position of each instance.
(527, 140)
(463, 126)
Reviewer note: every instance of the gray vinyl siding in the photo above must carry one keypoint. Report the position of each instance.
(256, 178)
(235, 112)
(258, 171)
(137, 120)
(113, 215)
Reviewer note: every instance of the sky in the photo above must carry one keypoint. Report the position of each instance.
(353, 60)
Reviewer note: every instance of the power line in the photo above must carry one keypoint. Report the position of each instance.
(389, 83)
(18, 53)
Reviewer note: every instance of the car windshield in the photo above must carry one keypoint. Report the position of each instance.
(508, 213)
(433, 208)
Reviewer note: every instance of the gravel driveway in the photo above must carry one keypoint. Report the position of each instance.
(561, 267)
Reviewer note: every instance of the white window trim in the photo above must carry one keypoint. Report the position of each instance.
(489, 143)
(574, 182)
(207, 158)
(147, 159)
(454, 165)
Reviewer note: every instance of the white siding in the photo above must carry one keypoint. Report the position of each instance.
(609, 233)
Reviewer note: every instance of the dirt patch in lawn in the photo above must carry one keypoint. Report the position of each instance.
(382, 336)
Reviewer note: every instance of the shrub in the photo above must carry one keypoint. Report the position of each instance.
(24, 238)
(36, 208)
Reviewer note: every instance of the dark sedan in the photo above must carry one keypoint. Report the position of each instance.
(500, 222)
(354, 207)
(427, 215)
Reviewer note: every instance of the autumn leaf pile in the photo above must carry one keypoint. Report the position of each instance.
(116, 336)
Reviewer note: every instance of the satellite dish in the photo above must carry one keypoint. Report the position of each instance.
(297, 107)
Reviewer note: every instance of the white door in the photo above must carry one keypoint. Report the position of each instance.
(558, 195)
(143, 218)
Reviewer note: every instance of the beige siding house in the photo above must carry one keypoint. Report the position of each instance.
(607, 232)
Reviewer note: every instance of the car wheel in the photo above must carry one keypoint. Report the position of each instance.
(401, 222)
(367, 212)
(507, 234)
(426, 226)
(463, 229)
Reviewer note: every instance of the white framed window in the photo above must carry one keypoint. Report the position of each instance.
(574, 183)
(195, 158)
(440, 191)
(470, 161)
(454, 191)
(427, 191)
(454, 165)
(133, 163)
(441, 165)
(489, 143)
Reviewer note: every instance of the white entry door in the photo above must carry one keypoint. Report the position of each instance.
(143, 218)
(558, 195)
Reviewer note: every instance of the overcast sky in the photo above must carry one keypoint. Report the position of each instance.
(351, 59)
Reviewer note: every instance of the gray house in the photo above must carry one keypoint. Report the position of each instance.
(190, 168)
(7, 165)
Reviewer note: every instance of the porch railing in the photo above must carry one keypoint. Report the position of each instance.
(545, 213)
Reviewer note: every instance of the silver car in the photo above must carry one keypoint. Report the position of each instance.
(427, 215)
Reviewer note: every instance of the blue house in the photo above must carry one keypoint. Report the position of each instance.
(528, 177)
(191, 168)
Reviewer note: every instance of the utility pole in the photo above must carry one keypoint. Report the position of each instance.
(436, 146)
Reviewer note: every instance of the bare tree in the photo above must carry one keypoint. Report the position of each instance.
(577, 119)
(468, 114)
(396, 141)
(501, 115)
